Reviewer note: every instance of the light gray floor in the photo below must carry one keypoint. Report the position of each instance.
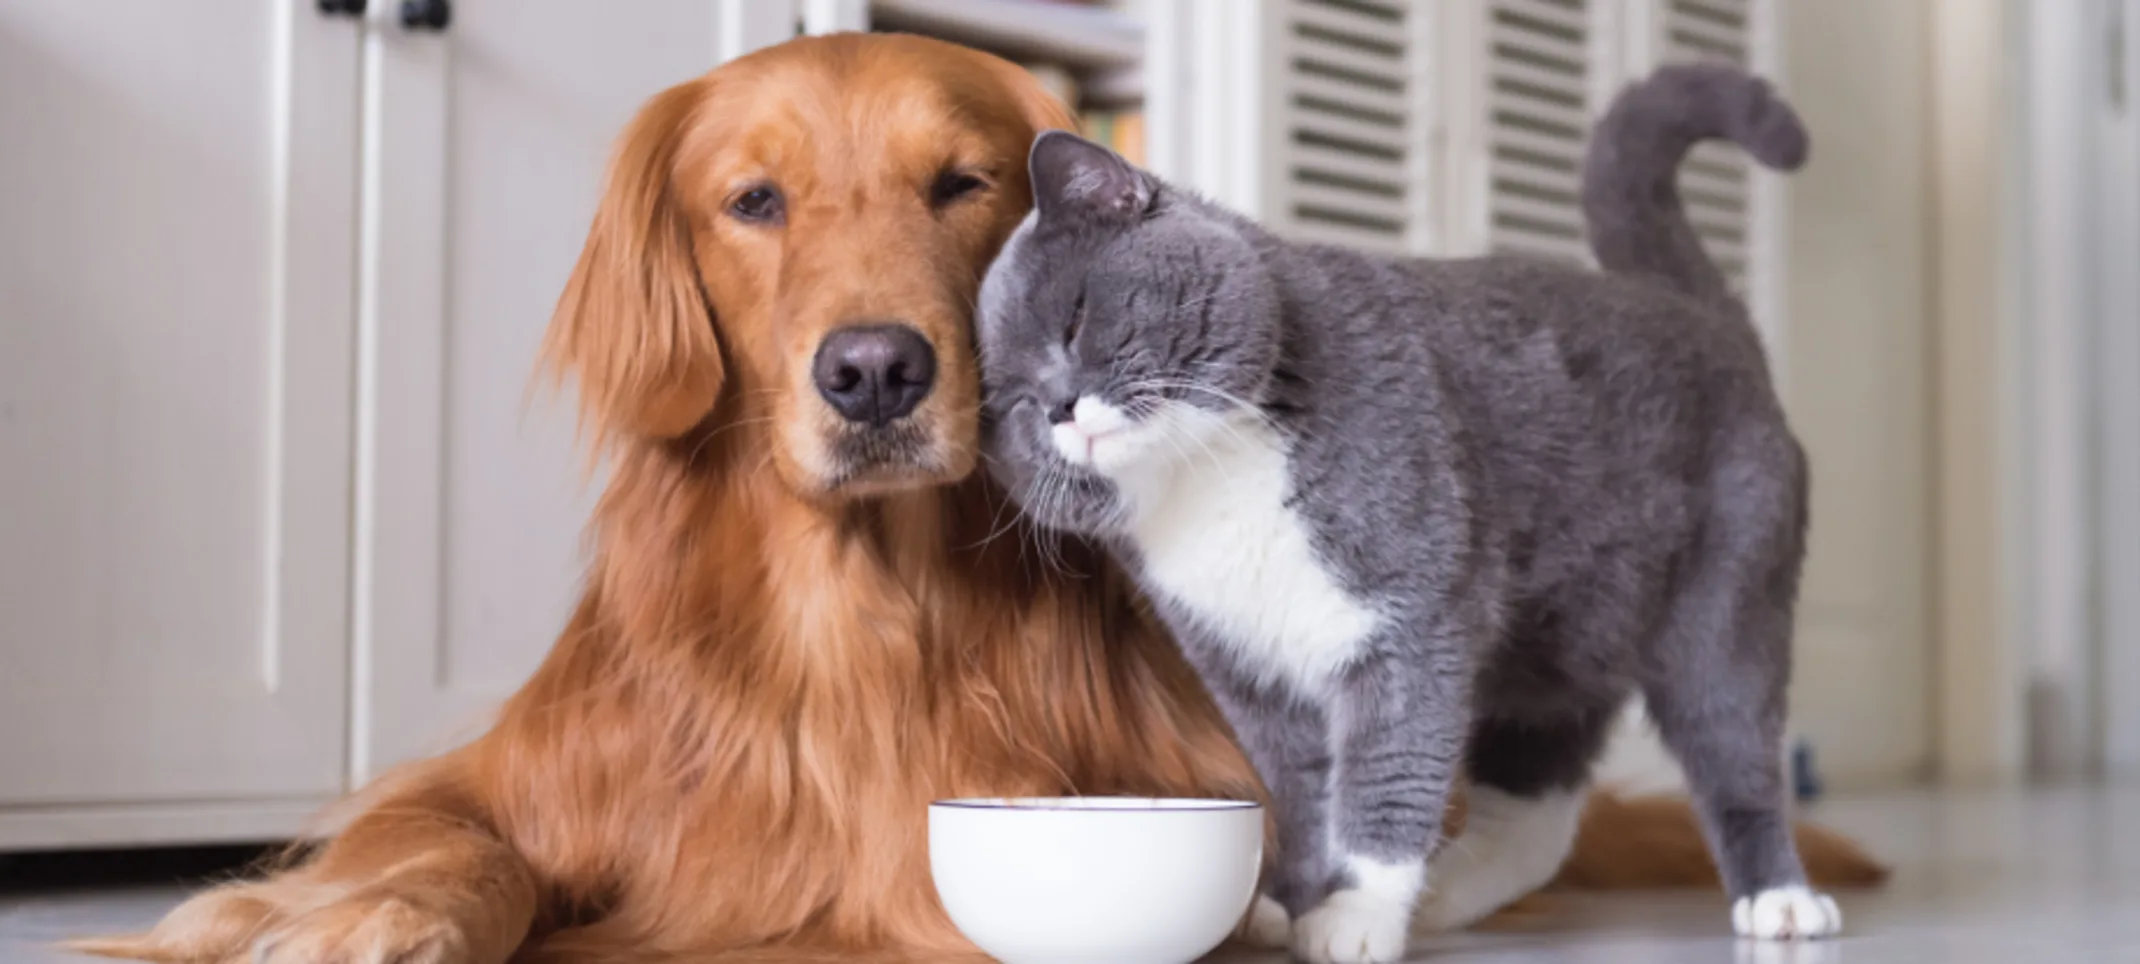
(2046, 876)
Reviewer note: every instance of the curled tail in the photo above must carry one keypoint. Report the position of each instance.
(1630, 199)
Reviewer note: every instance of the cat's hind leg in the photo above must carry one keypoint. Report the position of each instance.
(1715, 686)
(1529, 780)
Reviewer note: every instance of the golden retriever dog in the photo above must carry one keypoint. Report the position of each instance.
(807, 614)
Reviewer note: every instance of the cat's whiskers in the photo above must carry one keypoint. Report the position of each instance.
(1058, 497)
(1217, 463)
(1221, 394)
(1163, 428)
(1033, 532)
(995, 520)
(1171, 425)
(1238, 405)
(1054, 494)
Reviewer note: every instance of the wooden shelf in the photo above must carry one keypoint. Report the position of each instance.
(1080, 37)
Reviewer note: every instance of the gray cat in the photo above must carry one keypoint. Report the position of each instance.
(1405, 516)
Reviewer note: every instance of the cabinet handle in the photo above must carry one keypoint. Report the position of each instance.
(424, 14)
(343, 8)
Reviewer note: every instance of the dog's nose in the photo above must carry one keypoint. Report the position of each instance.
(874, 373)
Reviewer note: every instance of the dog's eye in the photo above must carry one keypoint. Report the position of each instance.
(952, 185)
(760, 205)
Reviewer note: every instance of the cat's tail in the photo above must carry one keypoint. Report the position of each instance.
(1638, 225)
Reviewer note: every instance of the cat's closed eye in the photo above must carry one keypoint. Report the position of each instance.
(1077, 319)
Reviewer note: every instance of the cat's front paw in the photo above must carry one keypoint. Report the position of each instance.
(1787, 914)
(1267, 925)
(1353, 927)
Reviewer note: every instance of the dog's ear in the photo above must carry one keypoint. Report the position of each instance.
(634, 328)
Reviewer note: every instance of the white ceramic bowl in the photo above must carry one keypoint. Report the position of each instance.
(1079, 880)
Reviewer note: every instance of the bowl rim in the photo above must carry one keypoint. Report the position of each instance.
(1064, 804)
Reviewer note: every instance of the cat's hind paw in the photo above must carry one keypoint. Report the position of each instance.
(1352, 927)
(1267, 925)
(1786, 914)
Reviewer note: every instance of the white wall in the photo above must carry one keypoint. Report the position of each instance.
(1857, 331)
(2073, 396)
(2058, 73)
(2117, 349)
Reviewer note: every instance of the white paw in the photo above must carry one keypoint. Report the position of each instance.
(1786, 914)
(1510, 847)
(1352, 927)
(1267, 925)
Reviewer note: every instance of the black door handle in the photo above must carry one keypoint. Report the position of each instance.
(342, 8)
(424, 14)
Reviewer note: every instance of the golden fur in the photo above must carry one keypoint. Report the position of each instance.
(779, 659)
(1650, 842)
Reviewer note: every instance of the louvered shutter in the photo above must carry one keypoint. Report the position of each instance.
(1539, 66)
(1716, 182)
(1349, 148)
(1453, 127)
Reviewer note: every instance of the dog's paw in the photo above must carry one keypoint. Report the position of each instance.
(1266, 926)
(1786, 914)
(216, 925)
(365, 930)
(1352, 927)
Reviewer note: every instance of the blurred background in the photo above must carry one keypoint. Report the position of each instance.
(277, 510)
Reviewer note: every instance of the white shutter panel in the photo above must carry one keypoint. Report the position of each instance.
(1716, 182)
(1451, 127)
(1348, 145)
(1539, 63)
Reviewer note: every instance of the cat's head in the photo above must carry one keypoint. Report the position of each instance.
(1125, 324)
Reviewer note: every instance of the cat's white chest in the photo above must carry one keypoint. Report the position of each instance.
(1218, 538)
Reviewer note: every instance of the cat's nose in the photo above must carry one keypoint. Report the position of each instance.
(874, 373)
(1063, 412)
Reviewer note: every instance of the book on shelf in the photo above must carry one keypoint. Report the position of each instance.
(1121, 129)
(1057, 80)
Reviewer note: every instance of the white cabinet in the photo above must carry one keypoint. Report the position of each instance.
(177, 251)
(484, 154)
(277, 507)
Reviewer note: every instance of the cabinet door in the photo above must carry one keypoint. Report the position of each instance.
(485, 149)
(177, 255)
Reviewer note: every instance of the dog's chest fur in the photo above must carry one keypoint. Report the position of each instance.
(1219, 542)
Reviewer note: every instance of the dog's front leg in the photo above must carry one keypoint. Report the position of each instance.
(417, 878)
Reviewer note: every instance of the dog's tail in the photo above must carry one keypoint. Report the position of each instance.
(1638, 225)
(1653, 842)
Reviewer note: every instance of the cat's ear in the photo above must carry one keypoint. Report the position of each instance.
(1076, 178)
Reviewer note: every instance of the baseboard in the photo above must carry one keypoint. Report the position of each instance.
(155, 824)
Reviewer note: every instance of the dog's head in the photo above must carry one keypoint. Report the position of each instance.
(792, 245)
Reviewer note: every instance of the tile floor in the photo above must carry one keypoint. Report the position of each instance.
(2046, 876)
